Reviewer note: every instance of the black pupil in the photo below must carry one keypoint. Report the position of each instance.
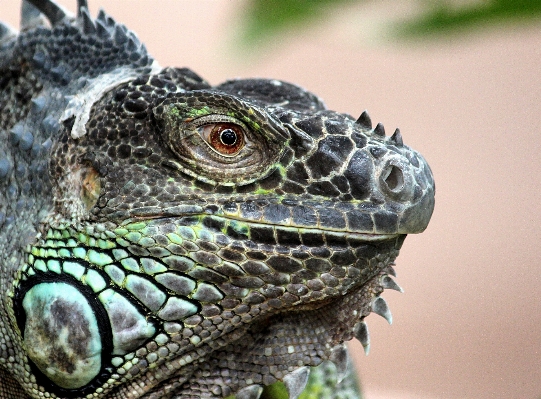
(228, 137)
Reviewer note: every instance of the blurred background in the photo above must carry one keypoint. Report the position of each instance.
(462, 80)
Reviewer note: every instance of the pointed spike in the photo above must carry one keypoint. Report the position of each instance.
(379, 130)
(50, 125)
(143, 60)
(360, 330)
(30, 16)
(61, 74)
(47, 144)
(379, 306)
(54, 13)
(38, 104)
(102, 16)
(250, 392)
(133, 44)
(364, 121)
(110, 21)
(296, 381)
(102, 29)
(120, 34)
(397, 138)
(389, 284)
(6, 31)
(26, 141)
(88, 24)
(16, 133)
(133, 37)
(340, 357)
(39, 59)
(81, 5)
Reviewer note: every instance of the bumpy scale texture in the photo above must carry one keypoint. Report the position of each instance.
(164, 238)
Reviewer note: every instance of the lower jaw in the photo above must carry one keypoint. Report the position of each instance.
(277, 345)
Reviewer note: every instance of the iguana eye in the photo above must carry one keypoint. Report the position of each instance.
(218, 138)
(226, 139)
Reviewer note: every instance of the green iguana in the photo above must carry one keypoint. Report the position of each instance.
(164, 238)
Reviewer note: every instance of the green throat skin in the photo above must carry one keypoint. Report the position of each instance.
(164, 238)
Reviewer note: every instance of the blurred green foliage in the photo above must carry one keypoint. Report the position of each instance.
(441, 17)
(275, 391)
(263, 19)
(321, 385)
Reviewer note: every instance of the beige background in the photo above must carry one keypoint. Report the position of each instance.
(469, 323)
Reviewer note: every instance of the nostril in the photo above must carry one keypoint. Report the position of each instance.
(393, 178)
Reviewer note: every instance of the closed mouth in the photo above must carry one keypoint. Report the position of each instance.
(269, 233)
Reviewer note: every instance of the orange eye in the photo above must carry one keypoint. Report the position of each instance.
(225, 138)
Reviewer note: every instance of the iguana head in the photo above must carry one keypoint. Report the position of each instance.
(201, 241)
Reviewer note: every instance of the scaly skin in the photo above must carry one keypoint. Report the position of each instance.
(163, 238)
